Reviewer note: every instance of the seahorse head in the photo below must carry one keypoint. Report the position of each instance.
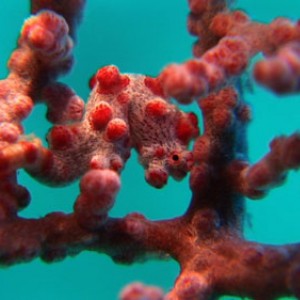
(161, 162)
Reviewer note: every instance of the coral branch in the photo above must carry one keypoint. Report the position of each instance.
(234, 41)
(127, 112)
(71, 10)
(281, 72)
(271, 170)
(43, 53)
(137, 291)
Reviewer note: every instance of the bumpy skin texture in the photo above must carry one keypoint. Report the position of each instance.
(123, 111)
(127, 111)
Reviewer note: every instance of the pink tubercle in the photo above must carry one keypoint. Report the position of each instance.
(101, 115)
(156, 108)
(116, 129)
(110, 80)
(154, 85)
(60, 137)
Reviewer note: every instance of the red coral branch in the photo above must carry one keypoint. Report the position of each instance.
(225, 54)
(71, 10)
(126, 112)
(271, 170)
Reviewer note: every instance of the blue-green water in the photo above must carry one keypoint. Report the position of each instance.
(142, 37)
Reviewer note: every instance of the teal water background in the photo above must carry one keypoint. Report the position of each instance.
(142, 37)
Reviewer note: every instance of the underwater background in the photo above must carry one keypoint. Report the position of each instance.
(142, 37)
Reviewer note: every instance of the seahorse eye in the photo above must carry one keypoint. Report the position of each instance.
(175, 157)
